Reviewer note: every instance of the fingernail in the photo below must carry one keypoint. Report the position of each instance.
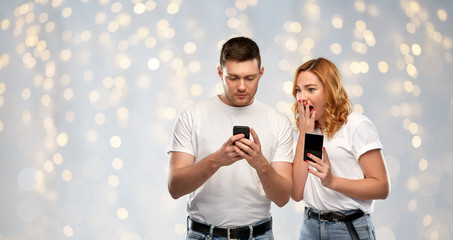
(314, 109)
(308, 154)
(300, 100)
(323, 148)
(306, 103)
(308, 169)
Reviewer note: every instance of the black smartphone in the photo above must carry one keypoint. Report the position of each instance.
(313, 145)
(242, 129)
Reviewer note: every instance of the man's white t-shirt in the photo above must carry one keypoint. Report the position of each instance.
(233, 196)
(344, 149)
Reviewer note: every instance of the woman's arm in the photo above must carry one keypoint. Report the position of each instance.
(376, 184)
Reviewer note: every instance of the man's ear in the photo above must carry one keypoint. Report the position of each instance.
(220, 72)
(261, 71)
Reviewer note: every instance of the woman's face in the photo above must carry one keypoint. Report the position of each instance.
(310, 90)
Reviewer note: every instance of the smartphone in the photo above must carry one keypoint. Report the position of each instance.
(313, 145)
(242, 129)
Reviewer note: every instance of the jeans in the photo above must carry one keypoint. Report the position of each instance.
(193, 235)
(314, 229)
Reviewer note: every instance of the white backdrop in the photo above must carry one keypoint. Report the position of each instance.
(89, 92)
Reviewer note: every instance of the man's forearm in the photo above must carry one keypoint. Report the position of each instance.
(184, 180)
(276, 186)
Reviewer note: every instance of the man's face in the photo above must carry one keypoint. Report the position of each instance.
(240, 82)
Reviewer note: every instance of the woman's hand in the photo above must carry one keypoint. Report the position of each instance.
(322, 168)
(306, 120)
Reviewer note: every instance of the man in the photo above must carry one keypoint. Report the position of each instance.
(231, 180)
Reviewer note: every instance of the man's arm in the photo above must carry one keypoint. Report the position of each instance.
(276, 177)
(186, 175)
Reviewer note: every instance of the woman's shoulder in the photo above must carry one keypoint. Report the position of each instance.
(356, 119)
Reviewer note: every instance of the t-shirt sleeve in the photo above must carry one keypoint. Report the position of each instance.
(182, 134)
(365, 138)
(284, 151)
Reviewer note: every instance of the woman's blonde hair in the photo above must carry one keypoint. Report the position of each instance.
(338, 105)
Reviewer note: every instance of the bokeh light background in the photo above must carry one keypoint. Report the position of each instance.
(89, 92)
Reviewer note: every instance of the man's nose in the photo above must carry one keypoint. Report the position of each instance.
(242, 84)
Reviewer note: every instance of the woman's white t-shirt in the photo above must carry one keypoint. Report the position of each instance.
(344, 149)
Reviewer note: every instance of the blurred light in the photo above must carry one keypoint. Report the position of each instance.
(383, 66)
(357, 90)
(233, 23)
(57, 159)
(117, 164)
(358, 108)
(114, 181)
(68, 231)
(66, 175)
(408, 86)
(166, 55)
(190, 47)
(5, 24)
(308, 43)
(412, 205)
(170, 113)
(423, 164)
(416, 49)
(173, 8)
(413, 184)
(94, 96)
(291, 45)
(284, 65)
(360, 6)
(404, 48)
(139, 8)
(337, 21)
(150, 42)
(335, 48)
(122, 213)
(67, 12)
(180, 229)
(115, 141)
(194, 66)
(416, 141)
(196, 90)
(100, 17)
(62, 139)
(442, 15)
(92, 136)
(116, 7)
(312, 8)
(122, 113)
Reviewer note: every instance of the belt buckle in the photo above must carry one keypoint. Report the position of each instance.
(228, 234)
(321, 213)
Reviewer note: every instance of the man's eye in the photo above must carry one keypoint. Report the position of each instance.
(233, 78)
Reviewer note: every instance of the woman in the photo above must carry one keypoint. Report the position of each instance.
(339, 189)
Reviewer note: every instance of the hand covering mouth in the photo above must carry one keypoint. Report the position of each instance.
(310, 107)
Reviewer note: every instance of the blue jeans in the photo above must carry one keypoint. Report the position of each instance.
(314, 229)
(193, 235)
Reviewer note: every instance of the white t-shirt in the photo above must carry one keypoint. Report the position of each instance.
(355, 138)
(233, 196)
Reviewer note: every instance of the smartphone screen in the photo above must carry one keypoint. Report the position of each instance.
(313, 145)
(242, 129)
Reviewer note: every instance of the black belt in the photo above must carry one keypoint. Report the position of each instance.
(338, 216)
(231, 233)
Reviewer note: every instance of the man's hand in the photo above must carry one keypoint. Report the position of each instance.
(251, 151)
